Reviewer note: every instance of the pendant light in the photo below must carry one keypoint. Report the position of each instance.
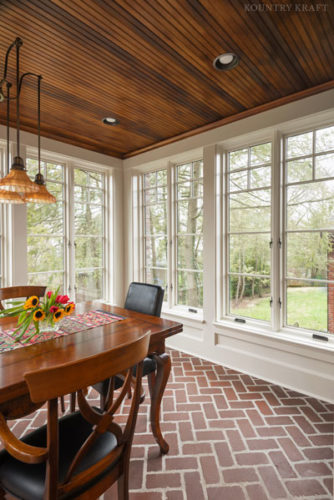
(17, 179)
(42, 195)
(9, 196)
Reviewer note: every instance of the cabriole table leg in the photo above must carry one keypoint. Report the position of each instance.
(157, 388)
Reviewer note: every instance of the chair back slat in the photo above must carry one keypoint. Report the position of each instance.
(17, 292)
(145, 298)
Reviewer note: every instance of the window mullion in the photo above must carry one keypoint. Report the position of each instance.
(276, 238)
(69, 230)
(171, 236)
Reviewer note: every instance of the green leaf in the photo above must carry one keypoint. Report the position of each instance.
(23, 327)
(21, 317)
(6, 312)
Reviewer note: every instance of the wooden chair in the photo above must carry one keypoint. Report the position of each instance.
(81, 454)
(17, 292)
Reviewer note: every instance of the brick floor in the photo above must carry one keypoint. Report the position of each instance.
(231, 436)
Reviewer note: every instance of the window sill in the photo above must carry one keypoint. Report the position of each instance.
(179, 312)
(287, 335)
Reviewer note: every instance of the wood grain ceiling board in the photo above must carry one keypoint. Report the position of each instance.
(149, 63)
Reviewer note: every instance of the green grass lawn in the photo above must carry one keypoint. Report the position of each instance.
(307, 308)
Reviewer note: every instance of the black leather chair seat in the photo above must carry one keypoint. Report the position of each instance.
(26, 481)
(149, 366)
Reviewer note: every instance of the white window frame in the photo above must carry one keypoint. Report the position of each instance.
(138, 235)
(3, 222)
(284, 184)
(143, 232)
(44, 160)
(277, 329)
(69, 165)
(104, 226)
(227, 233)
(174, 237)
(222, 232)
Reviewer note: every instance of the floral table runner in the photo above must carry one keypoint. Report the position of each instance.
(71, 324)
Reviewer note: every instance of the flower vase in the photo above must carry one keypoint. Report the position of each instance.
(48, 327)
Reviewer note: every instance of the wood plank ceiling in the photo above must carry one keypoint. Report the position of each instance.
(149, 63)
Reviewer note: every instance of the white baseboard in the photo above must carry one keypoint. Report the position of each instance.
(311, 376)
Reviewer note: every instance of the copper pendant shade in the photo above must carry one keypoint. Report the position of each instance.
(10, 197)
(17, 183)
(17, 180)
(42, 195)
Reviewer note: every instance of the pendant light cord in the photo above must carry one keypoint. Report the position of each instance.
(39, 121)
(18, 45)
(8, 121)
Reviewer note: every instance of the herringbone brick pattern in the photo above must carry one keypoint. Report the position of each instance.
(231, 436)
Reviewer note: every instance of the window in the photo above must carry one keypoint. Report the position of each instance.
(155, 229)
(88, 234)
(189, 234)
(178, 266)
(248, 256)
(279, 245)
(52, 228)
(309, 230)
(46, 229)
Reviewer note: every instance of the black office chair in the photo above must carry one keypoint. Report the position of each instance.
(146, 299)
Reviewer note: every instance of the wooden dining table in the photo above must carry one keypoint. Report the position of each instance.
(14, 395)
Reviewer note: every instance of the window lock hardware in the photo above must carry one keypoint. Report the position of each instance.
(240, 320)
(271, 301)
(279, 243)
(171, 286)
(192, 310)
(279, 301)
(271, 243)
(319, 337)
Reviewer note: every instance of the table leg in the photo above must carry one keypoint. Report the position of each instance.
(157, 384)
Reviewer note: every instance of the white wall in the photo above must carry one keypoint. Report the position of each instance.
(303, 365)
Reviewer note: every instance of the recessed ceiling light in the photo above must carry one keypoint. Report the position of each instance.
(226, 61)
(109, 120)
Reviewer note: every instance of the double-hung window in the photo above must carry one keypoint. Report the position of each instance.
(173, 233)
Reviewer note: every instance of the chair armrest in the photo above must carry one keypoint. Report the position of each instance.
(18, 449)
